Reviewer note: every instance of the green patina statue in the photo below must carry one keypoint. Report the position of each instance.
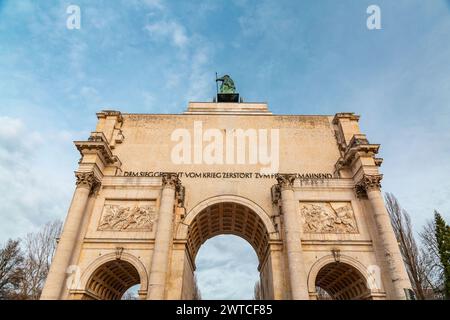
(227, 84)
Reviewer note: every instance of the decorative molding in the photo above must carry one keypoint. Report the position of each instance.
(336, 254)
(275, 192)
(328, 217)
(360, 191)
(131, 182)
(123, 218)
(378, 161)
(170, 180)
(110, 113)
(358, 146)
(311, 244)
(87, 180)
(372, 181)
(119, 251)
(97, 137)
(342, 145)
(286, 181)
(358, 139)
(345, 115)
(367, 183)
(353, 151)
(180, 193)
(97, 142)
(118, 136)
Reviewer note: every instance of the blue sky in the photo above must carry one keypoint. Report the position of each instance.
(302, 57)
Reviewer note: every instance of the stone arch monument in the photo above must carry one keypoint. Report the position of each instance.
(152, 188)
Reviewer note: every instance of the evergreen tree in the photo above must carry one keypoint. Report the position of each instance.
(443, 242)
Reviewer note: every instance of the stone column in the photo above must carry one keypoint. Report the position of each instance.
(54, 285)
(163, 237)
(276, 263)
(293, 235)
(371, 184)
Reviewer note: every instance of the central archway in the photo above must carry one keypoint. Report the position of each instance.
(230, 215)
(228, 218)
(227, 268)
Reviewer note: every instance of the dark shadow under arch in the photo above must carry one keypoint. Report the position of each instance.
(341, 281)
(228, 218)
(112, 279)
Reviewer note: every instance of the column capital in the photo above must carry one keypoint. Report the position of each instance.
(286, 181)
(368, 182)
(170, 180)
(87, 180)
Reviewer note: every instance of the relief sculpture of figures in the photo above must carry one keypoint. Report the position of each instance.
(119, 218)
(328, 217)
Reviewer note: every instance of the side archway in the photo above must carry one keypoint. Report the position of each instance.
(346, 279)
(108, 277)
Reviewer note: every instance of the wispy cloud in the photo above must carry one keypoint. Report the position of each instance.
(168, 29)
(302, 57)
(227, 268)
(31, 192)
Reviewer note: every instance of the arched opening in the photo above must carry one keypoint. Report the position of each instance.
(341, 281)
(132, 293)
(111, 280)
(230, 218)
(227, 268)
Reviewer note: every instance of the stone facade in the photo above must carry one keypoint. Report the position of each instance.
(139, 217)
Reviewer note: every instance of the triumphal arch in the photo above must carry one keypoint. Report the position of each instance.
(303, 190)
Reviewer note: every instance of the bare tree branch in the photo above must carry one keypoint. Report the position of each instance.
(414, 260)
(39, 249)
(10, 274)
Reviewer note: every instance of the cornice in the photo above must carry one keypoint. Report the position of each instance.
(110, 113)
(345, 115)
(353, 151)
(97, 142)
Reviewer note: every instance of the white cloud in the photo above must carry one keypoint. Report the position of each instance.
(33, 192)
(157, 4)
(10, 127)
(191, 62)
(226, 268)
(148, 4)
(167, 29)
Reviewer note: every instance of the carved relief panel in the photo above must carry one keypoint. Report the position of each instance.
(128, 216)
(328, 217)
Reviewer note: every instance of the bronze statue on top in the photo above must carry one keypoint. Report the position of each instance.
(227, 84)
(227, 91)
